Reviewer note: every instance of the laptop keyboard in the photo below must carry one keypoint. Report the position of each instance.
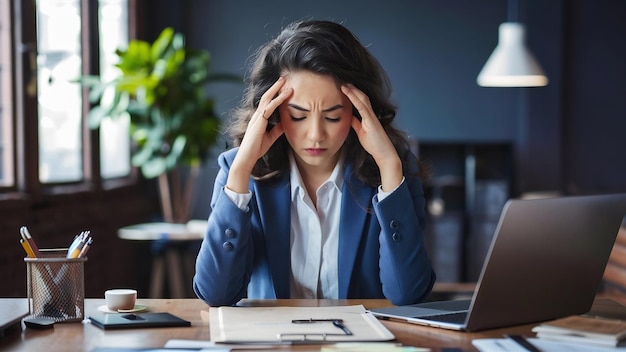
(455, 317)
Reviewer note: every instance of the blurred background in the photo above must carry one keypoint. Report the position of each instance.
(485, 144)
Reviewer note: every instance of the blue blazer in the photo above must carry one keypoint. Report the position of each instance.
(246, 254)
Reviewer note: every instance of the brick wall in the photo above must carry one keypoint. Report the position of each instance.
(112, 262)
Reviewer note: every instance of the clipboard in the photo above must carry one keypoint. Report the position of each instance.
(295, 325)
(140, 320)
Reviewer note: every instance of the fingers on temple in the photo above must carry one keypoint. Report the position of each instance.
(273, 97)
(359, 99)
(269, 95)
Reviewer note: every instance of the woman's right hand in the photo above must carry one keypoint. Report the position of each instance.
(257, 140)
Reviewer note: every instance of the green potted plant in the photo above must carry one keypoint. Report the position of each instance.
(173, 124)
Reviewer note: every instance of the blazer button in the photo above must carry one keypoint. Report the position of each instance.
(395, 237)
(228, 246)
(394, 224)
(230, 233)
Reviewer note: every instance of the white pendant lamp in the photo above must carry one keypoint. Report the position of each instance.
(511, 64)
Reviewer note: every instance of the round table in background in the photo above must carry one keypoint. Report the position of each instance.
(193, 230)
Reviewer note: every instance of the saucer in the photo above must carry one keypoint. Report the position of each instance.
(138, 308)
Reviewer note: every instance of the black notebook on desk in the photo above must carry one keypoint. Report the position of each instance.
(142, 320)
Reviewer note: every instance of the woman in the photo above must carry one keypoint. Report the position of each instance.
(321, 197)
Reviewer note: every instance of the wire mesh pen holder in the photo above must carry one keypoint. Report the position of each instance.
(56, 286)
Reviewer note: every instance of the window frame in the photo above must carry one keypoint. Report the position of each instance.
(26, 185)
(6, 90)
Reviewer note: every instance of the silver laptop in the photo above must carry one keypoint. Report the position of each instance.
(12, 310)
(546, 260)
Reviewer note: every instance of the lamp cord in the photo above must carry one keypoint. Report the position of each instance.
(513, 7)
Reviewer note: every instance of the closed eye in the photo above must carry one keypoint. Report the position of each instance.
(293, 118)
(333, 119)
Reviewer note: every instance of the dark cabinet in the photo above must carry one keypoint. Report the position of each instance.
(468, 186)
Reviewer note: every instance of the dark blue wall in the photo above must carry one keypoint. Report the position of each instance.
(595, 95)
(432, 50)
(568, 136)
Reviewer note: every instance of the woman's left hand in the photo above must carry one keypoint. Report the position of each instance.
(374, 139)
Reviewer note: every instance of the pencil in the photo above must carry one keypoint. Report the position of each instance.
(31, 241)
(27, 249)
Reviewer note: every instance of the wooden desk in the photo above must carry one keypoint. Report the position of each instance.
(85, 337)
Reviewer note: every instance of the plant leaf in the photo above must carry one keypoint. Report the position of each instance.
(141, 156)
(153, 167)
(161, 45)
(95, 116)
(177, 150)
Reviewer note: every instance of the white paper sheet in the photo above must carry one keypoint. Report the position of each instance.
(507, 345)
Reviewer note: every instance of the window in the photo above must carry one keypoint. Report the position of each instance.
(114, 141)
(59, 63)
(45, 144)
(6, 125)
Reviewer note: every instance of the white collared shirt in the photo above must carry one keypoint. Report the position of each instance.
(315, 235)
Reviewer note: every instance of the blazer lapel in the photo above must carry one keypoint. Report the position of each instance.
(274, 200)
(356, 198)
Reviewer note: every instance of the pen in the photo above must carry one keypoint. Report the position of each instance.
(76, 251)
(521, 340)
(79, 240)
(339, 323)
(311, 320)
(83, 251)
(75, 243)
(336, 322)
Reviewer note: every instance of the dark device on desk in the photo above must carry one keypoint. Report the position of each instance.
(142, 320)
(546, 261)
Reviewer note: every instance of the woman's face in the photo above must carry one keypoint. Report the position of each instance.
(316, 119)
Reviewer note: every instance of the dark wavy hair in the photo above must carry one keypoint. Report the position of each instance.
(326, 48)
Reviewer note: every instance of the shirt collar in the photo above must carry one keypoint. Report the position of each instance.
(336, 177)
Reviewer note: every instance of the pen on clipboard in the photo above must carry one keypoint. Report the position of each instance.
(521, 340)
(339, 323)
(336, 322)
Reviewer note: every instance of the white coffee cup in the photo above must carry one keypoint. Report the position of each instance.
(120, 298)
